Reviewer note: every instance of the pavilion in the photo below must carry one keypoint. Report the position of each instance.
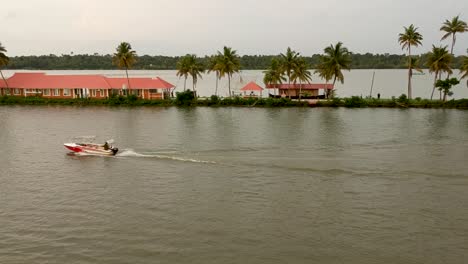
(254, 89)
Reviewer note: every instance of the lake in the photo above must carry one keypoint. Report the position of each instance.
(357, 82)
(234, 185)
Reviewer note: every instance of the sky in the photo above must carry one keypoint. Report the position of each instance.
(178, 27)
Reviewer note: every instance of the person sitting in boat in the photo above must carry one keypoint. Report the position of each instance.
(106, 146)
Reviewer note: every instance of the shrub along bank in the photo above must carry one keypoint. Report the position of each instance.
(187, 100)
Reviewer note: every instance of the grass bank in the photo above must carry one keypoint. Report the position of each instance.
(352, 102)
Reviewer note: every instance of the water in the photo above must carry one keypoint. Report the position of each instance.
(357, 82)
(235, 185)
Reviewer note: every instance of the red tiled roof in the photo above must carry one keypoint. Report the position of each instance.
(44, 81)
(305, 86)
(252, 86)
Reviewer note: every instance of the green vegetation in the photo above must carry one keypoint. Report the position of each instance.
(336, 58)
(248, 62)
(446, 85)
(411, 37)
(3, 62)
(187, 99)
(464, 68)
(451, 28)
(227, 63)
(124, 57)
(438, 62)
(190, 65)
(400, 102)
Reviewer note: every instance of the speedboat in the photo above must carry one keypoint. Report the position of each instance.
(106, 149)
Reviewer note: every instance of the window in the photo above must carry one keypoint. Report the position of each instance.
(56, 92)
(66, 92)
(93, 93)
(102, 92)
(153, 91)
(46, 92)
(16, 91)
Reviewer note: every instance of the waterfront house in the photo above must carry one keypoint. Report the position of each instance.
(309, 90)
(83, 86)
(252, 90)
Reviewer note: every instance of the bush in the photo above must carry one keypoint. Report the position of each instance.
(355, 101)
(403, 99)
(185, 98)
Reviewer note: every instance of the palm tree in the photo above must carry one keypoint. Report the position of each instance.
(274, 75)
(302, 74)
(464, 68)
(438, 61)
(4, 62)
(125, 57)
(288, 64)
(410, 37)
(336, 59)
(213, 66)
(453, 27)
(229, 64)
(196, 68)
(183, 69)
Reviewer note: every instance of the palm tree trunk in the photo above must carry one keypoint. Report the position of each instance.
(409, 72)
(185, 83)
(193, 84)
(328, 92)
(451, 51)
(229, 84)
(445, 96)
(3, 77)
(440, 92)
(289, 85)
(435, 80)
(216, 90)
(128, 80)
(300, 90)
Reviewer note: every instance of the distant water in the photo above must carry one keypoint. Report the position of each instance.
(357, 82)
(235, 185)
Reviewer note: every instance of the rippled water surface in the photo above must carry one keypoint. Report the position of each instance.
(235, 185)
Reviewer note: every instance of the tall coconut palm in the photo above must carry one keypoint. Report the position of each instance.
(183, 68)
(213, 66)
(288, 63)
(411, 37)
(274, 75)
(336, 59)
(301, 74)
(196, 68)
(229, 64)
(451, 28)
(4, 62)
(438, 61)
(125, 57)
(464, 68)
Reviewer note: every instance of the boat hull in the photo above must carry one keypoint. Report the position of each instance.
(90, 149)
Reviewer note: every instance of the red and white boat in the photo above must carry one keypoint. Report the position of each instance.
(106, 149)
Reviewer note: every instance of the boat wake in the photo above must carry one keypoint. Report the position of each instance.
(132, 153)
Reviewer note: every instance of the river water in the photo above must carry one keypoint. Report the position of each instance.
(387, 83)
(235, 185)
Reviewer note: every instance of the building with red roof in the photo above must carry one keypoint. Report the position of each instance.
(83, 86)
(254, 89)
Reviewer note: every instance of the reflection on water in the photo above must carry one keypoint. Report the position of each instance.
(234, 185)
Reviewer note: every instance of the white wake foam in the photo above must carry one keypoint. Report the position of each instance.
(132, 153)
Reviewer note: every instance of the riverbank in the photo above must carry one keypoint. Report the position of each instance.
(352, 102)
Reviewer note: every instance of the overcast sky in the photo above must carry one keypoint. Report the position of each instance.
(177, 27)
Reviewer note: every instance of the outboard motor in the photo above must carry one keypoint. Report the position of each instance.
(114, 150)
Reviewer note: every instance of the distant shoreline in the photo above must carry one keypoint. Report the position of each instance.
(157, 62)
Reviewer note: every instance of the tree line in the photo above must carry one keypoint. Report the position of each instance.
(157, 62)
